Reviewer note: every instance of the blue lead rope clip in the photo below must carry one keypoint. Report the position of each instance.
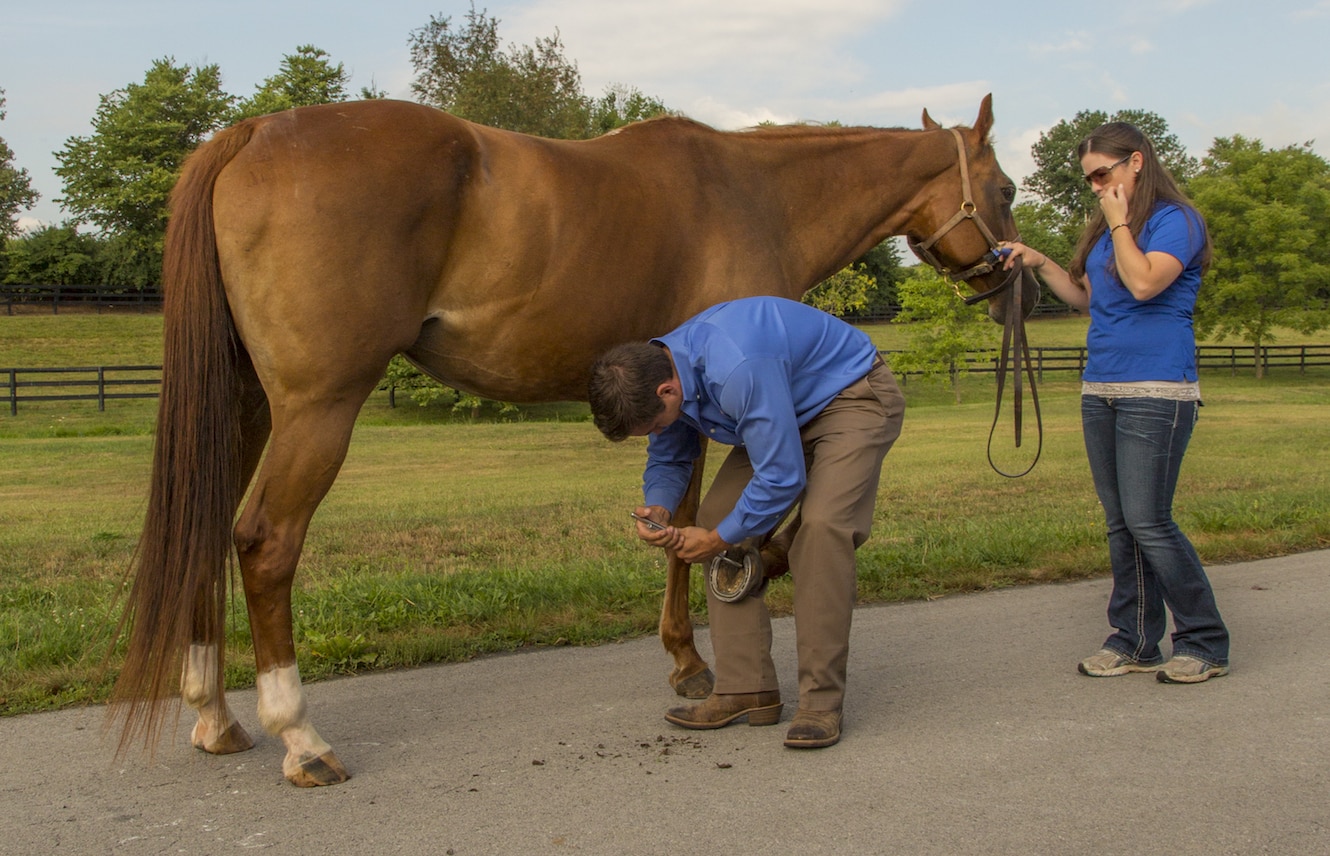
(999, 254)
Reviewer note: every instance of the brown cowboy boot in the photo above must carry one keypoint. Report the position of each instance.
(813, 729)
(720, 709)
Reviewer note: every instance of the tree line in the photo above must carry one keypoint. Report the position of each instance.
(1268, 210)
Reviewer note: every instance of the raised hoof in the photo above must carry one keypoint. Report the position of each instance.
(320, 771)
(234, 739)
(696, 685)
(775, 562)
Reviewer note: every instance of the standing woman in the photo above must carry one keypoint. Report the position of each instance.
(1137, 268)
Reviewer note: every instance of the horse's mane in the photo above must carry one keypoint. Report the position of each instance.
(682, 124)
(812, 129)
(661, 123)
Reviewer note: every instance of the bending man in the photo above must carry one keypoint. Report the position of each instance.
(811, 410)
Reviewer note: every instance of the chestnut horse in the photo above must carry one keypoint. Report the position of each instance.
(308, 247)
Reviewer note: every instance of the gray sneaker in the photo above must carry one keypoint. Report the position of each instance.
(1188, 670)
(1109, 664)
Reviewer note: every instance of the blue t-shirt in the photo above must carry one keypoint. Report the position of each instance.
(753, 372)
(1140, 340)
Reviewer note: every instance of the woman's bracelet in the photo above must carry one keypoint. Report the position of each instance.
(1115, 228)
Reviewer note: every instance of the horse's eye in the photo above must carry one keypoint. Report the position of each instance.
(1009, 193)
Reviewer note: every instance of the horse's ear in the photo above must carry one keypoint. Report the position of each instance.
(929, 124)
(984, 123)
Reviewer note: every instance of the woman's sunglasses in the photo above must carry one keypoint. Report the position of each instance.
(1096, 176)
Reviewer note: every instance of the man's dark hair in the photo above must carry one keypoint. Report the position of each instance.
(622, 390)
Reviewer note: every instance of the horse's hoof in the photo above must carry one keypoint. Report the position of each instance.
(775, 563)
(696, 685)
(234, 739)
(316, 772)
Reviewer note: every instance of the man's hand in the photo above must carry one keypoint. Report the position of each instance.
(698, 545)
(661, 534)
(692, 543)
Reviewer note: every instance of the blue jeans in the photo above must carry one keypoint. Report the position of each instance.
(1135, 447)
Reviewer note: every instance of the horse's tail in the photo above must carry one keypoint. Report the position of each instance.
(180, 568)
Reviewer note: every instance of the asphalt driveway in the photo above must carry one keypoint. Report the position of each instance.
(968, 731)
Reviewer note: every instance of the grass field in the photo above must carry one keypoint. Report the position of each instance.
(444, 538)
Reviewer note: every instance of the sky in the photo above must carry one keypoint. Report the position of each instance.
(1209, 68)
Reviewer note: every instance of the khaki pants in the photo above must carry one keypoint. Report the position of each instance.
(843, 451)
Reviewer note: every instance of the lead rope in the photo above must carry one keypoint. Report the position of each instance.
(1015, 345)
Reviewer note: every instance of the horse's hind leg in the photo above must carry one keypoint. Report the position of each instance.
(308, 445)
(217, 730)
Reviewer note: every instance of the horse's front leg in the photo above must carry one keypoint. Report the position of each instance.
(691, 677)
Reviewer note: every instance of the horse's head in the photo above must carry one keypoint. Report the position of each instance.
(965, 212)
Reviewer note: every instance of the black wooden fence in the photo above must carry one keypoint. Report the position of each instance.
(92, 383)
(105, 383)
(82, 296)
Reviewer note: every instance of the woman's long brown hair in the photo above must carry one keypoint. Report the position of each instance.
(1154, 184)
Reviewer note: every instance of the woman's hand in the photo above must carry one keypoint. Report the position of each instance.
(1113, 202)
(1072, 293)
(1030, 257)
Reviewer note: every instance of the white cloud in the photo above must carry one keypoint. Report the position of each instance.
(1113, 89)
(30, 224)
(752, 48)
(1320, 9)
(1277, 126)
(1067, 43)
(1175, 7)
(1014, 153)
(948, 104)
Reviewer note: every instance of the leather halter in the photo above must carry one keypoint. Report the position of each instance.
(1015, 345)
(968, 211)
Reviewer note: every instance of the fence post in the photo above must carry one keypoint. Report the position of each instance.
(13, 392)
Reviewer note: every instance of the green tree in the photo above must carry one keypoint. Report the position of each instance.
(843, 293)
(1041, 226)
(883, 265)
(306, 77)
(533, 89)
(16, 193)
(1058, 181)
(118, 179)
(943, 330)
(621, 105)
(1268, 212)
(54, 255)
(423, 389)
